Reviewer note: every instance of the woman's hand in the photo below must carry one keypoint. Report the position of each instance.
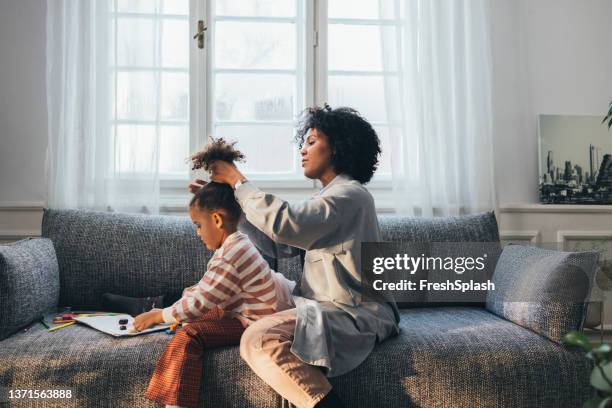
(224, 172)
(195, 185)
(148, 319)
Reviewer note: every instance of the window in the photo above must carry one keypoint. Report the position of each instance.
(149, 77)
(258, 81)
(363, 76)
(263, 62)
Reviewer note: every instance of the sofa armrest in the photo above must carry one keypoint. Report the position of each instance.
(29, 283)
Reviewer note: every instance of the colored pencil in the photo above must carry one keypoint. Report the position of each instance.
(62, 325)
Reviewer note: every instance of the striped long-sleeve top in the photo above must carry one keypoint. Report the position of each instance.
(238, 281)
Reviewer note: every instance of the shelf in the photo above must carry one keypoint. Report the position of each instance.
(555, 208)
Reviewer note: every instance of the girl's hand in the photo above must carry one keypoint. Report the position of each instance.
(224, 172)
(195, 185)
(148, 319)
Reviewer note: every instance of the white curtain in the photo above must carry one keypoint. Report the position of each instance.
(442, 153)
(92, 161)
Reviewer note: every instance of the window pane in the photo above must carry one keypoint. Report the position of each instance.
(133, 36)
(271, 8)
(364, 93)
(254, 97)
(175, 7)
(175, 43)
(135, 149)
(136, 95)
(111, 41)
(255, 45)
(150, 86)
(175, 96)
(174, 150)
(268, 149)
(246, 85)
(136, 6)
(384, 160)
(363, 9)
(358, 48)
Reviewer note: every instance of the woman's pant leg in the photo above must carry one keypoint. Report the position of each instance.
(266, 347)
(177, 375)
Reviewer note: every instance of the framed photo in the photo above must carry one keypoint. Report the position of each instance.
(575, 156)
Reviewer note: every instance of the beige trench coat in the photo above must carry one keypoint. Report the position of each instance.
(335, 329)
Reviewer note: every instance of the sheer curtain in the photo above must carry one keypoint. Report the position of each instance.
(441, 144)
(92, 161)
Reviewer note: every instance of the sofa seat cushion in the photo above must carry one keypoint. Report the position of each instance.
(104, 371)
(466, 357)
(460, 357)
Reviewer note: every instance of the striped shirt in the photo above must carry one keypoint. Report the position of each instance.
(238, 281)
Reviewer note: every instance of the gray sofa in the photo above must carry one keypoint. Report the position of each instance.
(448, 356)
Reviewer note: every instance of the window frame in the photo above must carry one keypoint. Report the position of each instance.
(173, 191)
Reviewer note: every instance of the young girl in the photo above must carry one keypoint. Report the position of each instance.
(237, 289)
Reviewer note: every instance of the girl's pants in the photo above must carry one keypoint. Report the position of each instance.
(176, 378)
(265, 346)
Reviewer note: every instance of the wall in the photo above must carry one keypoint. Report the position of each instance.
(23, 117)
(23, 111)
(550, 57)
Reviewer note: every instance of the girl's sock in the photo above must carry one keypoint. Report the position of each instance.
(174, 406)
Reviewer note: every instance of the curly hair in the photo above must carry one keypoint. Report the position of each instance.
(217, 196)
(354, 143)
(217, 149)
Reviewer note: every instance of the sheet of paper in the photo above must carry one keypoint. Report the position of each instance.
(110, 325)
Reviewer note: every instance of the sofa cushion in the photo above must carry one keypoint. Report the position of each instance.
(407, 232)
(29, 283)
(464, 228)
(459, 357)
(132, 255)
(292, 269)
(127, 254)
(543, 290)
(104, 371)
(466, 357)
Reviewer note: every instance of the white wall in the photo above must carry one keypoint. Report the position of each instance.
(550, 57)
(23, 112)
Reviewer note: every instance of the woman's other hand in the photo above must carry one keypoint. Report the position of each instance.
(148, 319)
(224, 172)
(195, 185)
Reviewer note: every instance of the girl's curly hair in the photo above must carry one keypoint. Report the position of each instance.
(354, 143)
(217, 149)
(216, 196)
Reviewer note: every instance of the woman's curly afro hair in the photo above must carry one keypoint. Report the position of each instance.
(354, 143)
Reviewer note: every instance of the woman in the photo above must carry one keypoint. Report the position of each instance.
(332, 329)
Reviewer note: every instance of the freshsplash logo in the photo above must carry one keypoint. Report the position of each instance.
(446, 272)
